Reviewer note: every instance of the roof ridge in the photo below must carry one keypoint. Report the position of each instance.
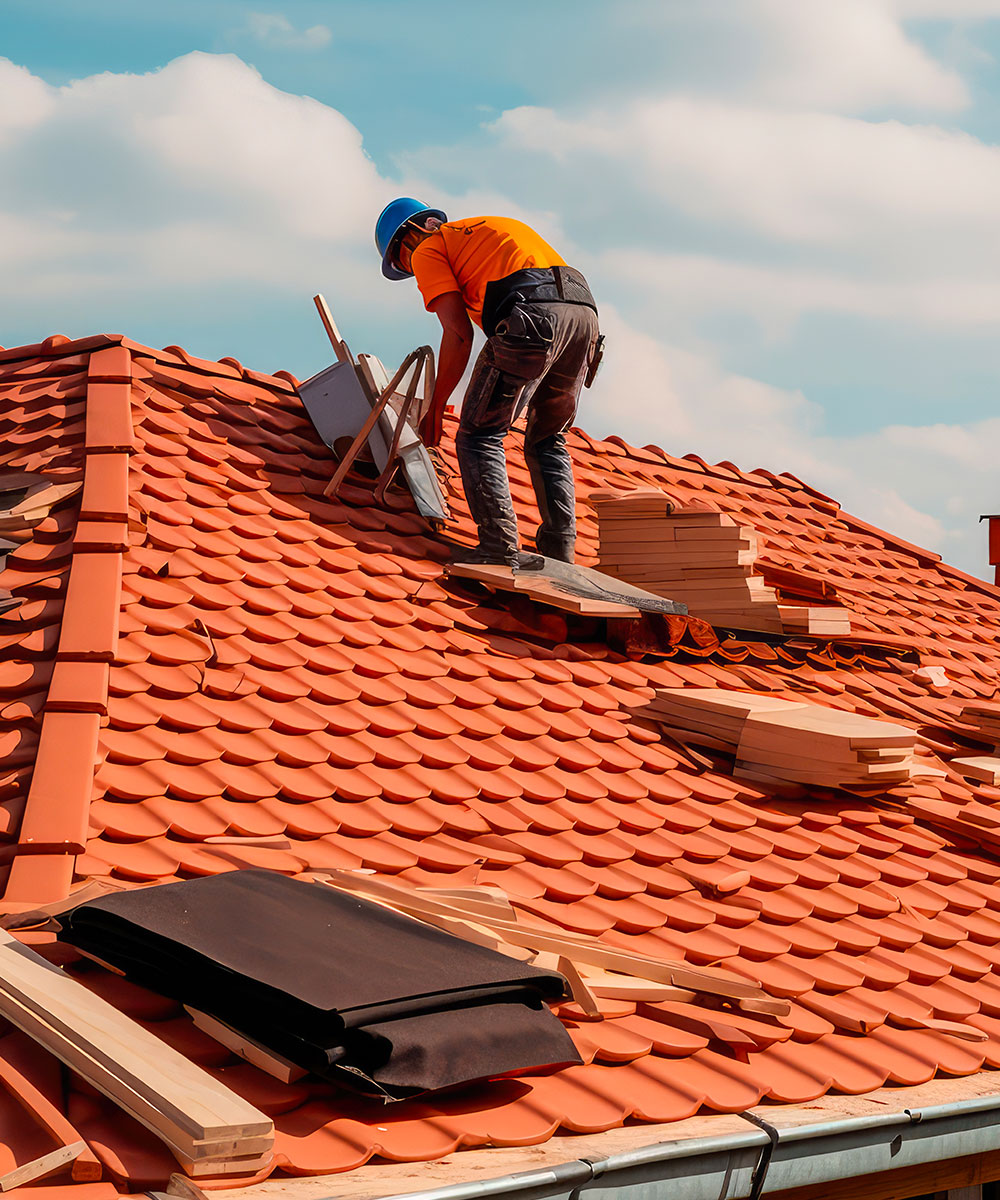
(57, 808)
(57, 345)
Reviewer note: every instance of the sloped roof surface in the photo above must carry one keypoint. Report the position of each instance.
(209, 648)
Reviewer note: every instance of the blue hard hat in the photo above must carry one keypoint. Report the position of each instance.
(393, 217)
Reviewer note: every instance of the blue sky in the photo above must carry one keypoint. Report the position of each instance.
(788, 209)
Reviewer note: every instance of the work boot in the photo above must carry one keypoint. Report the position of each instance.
(522, 560)
(517, 560)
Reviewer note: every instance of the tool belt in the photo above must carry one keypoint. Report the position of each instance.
(533, 285)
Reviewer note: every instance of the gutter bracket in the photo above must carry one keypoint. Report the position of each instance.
(759, 1177)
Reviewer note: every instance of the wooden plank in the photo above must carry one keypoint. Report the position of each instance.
(712, 725)
(490, 901)
(717, 700)
(864, 732)
(332, 332)
(247, 1048)
(699, 737)
(611, 986)
(130, 1101)
(984, 768)
(540, 589)
(44, 1112)
(670, 573)
(923, 1180)
(580, 987)
(172, 1096)
(666, 556)
(578, 947)
(48, 1164)
(721, 533)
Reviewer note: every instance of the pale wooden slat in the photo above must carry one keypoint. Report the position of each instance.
(177, 1100)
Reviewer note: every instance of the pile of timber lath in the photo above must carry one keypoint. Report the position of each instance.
(705, 560)
(788, 741)
(984, 719)
(708, 1000)
(208, 1128)
(594, 970)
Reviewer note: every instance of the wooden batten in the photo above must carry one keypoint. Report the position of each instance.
(788, 741)
(198, 1118)
(710, 562)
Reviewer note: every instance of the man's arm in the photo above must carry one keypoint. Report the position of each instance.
(453, 357)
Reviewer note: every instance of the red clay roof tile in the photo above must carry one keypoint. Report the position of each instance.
(296, 667)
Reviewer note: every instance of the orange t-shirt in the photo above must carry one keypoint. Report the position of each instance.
(464, 256)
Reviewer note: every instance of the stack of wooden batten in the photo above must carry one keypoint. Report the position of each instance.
(777, 740)
(208, 1128)
(594, 970)
(704, 559)
(984, 719)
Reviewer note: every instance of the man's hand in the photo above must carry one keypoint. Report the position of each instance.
(456, 343)
(432, 425)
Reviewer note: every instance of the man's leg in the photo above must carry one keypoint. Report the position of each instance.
(551, 411)
(487, 413)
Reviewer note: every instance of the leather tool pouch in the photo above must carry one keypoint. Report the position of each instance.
(594, 363)
(522, 342)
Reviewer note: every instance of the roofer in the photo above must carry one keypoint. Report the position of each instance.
(542, 345)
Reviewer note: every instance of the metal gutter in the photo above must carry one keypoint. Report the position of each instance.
(722, 1168)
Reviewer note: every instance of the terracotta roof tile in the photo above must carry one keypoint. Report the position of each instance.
(275, 664)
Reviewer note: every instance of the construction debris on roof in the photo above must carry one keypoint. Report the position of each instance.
(780, 740)
(258, 675)
(370, 999)
(705, 560)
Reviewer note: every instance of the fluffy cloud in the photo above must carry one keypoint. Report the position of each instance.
(813, 178)
(847, 55)
(199, 172)
(927, 484)
(273, 29)
(684, 289)
(26, 100)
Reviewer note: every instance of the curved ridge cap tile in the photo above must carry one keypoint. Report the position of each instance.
(59, 346)
(57, 807)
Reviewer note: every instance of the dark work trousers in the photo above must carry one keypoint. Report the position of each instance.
(545, 376)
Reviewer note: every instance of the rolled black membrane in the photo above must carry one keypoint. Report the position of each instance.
(342, 987)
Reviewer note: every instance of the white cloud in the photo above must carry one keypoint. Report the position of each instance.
(927, 484)
(945, 10)
(27, 100)
(807, 177)
(847, 55)
(683, 289)
(200, 172)
(273, 29)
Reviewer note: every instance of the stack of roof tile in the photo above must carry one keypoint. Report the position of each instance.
(703, 558)
(291, 682)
